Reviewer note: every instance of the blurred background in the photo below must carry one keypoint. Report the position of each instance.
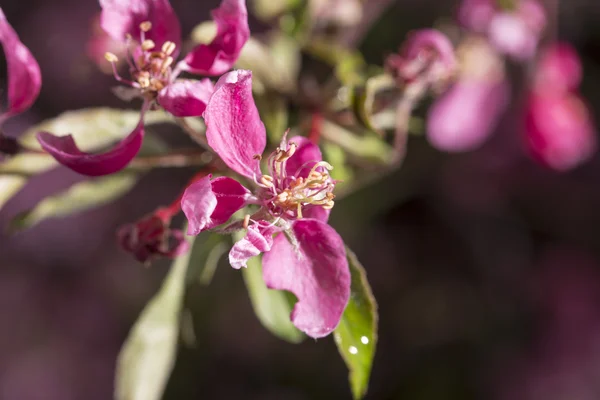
(485, 265)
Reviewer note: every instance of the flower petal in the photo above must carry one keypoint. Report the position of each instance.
(258, 239)
(233, 127)
(316, 272)
(219, 56)
(24, 76)
(66, 152)
(300, 163)
(207, 203)
(186, 97)
(466, 115)
(122, 17)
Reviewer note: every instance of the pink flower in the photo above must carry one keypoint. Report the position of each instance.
(24, 76)
(294, 198)
(463, 117)
(514, 32)
(559, 128)
(151, 32)
(427, 55)
(151, 237)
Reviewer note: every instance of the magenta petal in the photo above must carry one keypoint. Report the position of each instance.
(66, 152)
(233, 127)
(258, 239)
(207, 203)
(306, 156)
(122, 17)
(317, 273)
(185, 97)
(24, 76)
(219, 56)
(466, 115)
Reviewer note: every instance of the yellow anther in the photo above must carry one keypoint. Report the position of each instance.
(156, 84)
(110, 57)
(329, 205)
(146, 26)
(266, 180)
(147, 45)
(246, 221)
(168, 47)
(282, 197)
(290, 152)
(166, 64)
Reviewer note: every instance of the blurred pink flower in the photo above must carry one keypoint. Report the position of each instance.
(466, 114)
(427, 55)
(559, 128)
(514, 32)
(153, 78)
(294, 198)
(24, 76)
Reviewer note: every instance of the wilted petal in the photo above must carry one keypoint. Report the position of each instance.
(207, 203)
(258, 239)
(464, 117)
(122, 17)
(24, 76)
(233, 127)
(186, 97)
(560, 132)
(151, 237)
(219, 56)
(317, 273)
(66, 152)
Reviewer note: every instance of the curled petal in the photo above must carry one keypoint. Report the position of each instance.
(560, 131)
(185, 97)
(123, 17)
(233, 127)
(66, 152)
(258, 239)
(464, 117)
(219, 56)
(306, 156)
(316, 272)
(24, 76)
(207, 203)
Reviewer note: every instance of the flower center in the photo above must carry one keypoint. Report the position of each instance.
(288, 195)
(150, 68)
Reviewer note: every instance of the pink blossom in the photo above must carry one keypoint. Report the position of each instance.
(427, 55)
(24, 76)
(294, 198)
(559, 129)
(512, 31)
(152, 34)
(463, 117)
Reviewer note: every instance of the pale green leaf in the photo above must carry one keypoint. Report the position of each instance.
(206, 253)
(79, 197)
(364, 98)
(356, 335)
(9, 186)
(368, 146)
(148, 355)
(268, 9)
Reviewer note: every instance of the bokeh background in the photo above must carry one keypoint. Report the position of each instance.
(485, 265)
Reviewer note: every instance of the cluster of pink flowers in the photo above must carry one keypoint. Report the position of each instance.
(291, 203)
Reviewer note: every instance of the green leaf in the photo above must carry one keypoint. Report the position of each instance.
(80, 197)
(266, 10)
(272, 307)
(364, 99)
(9, 186)
(368, 146)
(206, 253)
(148, 355)
(356, 335)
